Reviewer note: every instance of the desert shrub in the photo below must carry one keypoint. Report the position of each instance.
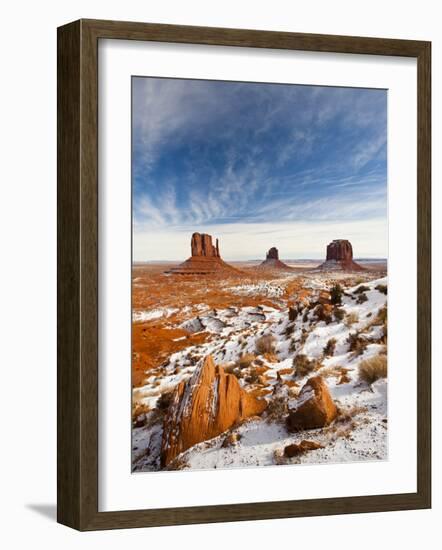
(304, 336)
(245, 360)
(360, 289)
(229, 368)
(293, 313)
(253, 376)
(277, 408)
(289, 329)
(351, 318)
(164, 400)
(293, 345)
(381, 316)
(139, 412)
(381, 288)
(303, 365)
(329, 348)
(339, 313)
(336, 294)
(305, 316)
(265, 344)
(322, 314)
(361, 298)
(373, 369)
(356, 343)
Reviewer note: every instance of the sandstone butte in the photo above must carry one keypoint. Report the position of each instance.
(205, 406)
(315, 407)
(340, 256)
(272, 261)
(205, 258)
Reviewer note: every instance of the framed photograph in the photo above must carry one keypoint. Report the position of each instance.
(243, 274)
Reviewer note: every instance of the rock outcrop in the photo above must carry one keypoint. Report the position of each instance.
(272, 261)
(205, 406)
(201, 245)
(205, 258)
(340, 257)
(314, 408)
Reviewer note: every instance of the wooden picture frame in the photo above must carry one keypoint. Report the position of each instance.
(78, 274)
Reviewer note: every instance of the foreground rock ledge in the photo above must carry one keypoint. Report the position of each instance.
(315, 407)
(208, 404)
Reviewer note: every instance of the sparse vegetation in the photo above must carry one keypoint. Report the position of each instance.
(351, 319)
(373, 369)
(303, 365)
(360, 289)
(293, 313)
(361, 298)
(305, 316)
(356, 343)
(381, 317)
(381, 288)
(323, 314)
(265, 344)
(277, 408)
(329, 348)
(253, 376)
(289, 329)
(164, 400)
(339, 313)
(245, 360)
(336, 294)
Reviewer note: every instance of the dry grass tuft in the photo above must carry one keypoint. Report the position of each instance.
(329, 348)
(356, 343)
(351, 319)
(265, 344)
(277, 409)
(303, 365)
(245, 360)
(373, 369)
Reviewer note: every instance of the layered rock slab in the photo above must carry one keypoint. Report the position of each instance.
(205, 406)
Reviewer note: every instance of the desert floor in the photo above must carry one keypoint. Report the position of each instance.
(177, 321)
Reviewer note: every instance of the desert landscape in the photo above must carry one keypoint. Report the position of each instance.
(257, 363)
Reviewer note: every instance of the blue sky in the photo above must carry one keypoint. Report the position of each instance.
(257, 165)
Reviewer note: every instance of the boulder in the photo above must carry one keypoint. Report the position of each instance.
(296, 449)
(314, 407)
(205, 406)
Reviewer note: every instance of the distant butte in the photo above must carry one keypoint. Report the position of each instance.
(340, 257)
(272, 261)
(205, 258)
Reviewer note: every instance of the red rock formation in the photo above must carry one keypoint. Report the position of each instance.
(201, 245)
(272, 254)
(340, 257)
(205, 258)
(205, 406)
(272, 261)
(315, 407)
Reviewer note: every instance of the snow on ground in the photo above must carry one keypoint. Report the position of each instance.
(150, 315)
(233, 334)
(262, 288)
